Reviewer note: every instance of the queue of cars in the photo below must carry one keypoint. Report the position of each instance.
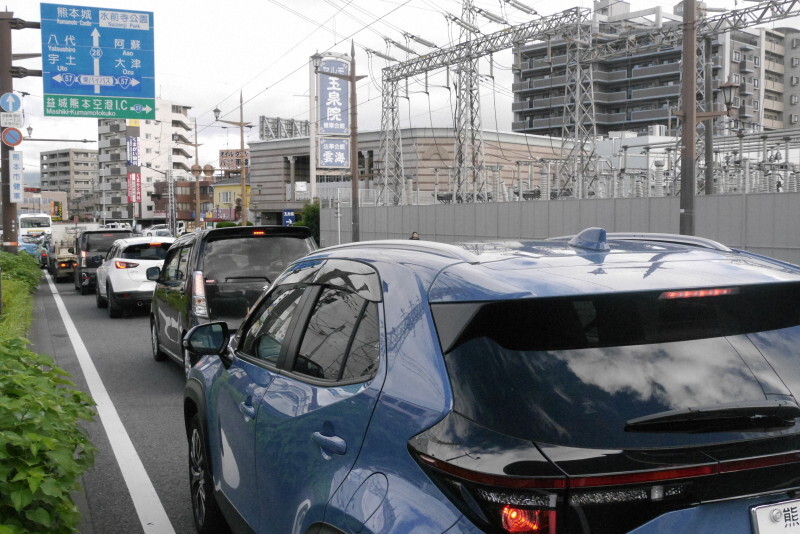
(614, 383)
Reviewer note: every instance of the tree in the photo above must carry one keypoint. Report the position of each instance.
(309, 218)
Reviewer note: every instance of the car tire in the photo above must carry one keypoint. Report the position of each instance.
(114, 307)
(84, 289)
(207, 516)
(158, 354)
(102, 302)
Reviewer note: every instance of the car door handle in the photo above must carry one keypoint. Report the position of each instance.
(333, 444)
(247, 409)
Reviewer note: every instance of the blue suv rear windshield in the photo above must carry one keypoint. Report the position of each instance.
(572, 371)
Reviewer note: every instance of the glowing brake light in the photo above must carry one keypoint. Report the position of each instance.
(698, 293)
(156, 244)
(524, 520)
(125, 265)
(259, 232)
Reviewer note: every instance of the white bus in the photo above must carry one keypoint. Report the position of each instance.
(34, 224)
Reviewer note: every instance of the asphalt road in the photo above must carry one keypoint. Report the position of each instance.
(147, 396)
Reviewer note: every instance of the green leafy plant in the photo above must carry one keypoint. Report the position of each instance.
(228, 224)
(43, 449)
(309, 217)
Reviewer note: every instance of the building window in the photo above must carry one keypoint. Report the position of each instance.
(795, 80)
(796, 62)
(795, 99)
(755, 82)
(736, 79)
(737, 56)
(736, 101)
(755, 104)
(793, 119)
(756, 61)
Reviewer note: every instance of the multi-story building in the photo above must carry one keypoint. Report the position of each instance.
(135, 154)
(185, 199)
(38, 200)
(640, 91)
(71, 170)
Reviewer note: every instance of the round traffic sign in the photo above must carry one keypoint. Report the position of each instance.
(11, 102)
(12, 136)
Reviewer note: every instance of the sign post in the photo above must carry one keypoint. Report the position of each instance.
(97, 62)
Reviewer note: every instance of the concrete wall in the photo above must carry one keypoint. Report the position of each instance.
(766, 223)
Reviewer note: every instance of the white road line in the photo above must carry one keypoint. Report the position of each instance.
(148, 506)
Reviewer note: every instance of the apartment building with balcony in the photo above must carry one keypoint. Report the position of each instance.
(69, 170)
(640, 92)
(133, 156)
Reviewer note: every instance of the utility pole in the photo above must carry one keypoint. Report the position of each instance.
(7, 73)
(354, 143)
(689, 124)
(6, 86)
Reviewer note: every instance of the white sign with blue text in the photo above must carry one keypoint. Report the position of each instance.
(17, 189)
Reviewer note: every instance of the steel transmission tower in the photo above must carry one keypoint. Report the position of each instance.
(466, 52)
(468, 165)
(579, 128)
(391, 188)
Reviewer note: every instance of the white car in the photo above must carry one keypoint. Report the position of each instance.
(155, 229)
(121, 279)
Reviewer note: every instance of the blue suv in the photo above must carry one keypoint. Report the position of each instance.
(591, 384)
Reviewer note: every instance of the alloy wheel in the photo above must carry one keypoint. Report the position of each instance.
(197, 473)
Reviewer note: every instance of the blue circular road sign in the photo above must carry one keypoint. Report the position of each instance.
(11, 102)
(12, 136)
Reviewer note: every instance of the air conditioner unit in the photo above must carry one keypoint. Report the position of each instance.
(657, 129)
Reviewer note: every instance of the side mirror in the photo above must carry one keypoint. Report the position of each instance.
(95, 261)
(207, 339)
(71, 250)
(153, 273)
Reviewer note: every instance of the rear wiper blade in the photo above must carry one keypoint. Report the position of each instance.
(738, 416)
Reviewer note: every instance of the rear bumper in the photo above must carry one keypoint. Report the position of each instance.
(135, 298)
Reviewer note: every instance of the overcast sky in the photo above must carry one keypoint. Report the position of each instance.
(206, 52)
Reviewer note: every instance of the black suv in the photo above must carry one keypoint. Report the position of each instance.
(216, 275)
(89, 244)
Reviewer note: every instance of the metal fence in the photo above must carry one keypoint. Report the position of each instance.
(765, 223)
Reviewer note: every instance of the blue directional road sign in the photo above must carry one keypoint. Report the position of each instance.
(97, 62)
(11, 102)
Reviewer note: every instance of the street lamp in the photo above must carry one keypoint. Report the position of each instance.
(316, 60)
(242, 167)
